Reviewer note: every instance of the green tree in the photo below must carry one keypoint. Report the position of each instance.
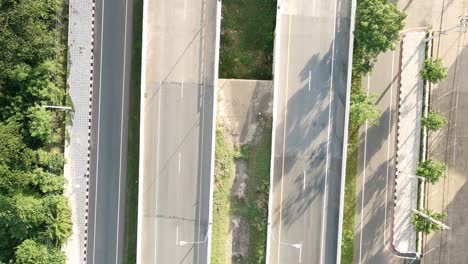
(32, 252)
(48, 183)
(362, 108)
(434, 121)
(378, 25)
(25, 217)
(433, 70)
(422, 224)
(40, 125)
(52, 162)
(431, 170)
(58, 225)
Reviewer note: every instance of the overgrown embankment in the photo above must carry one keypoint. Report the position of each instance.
(35, 219)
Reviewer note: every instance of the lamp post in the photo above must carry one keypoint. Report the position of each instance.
(182, 242)
(444, 227)
(296, 246)
(56, 107)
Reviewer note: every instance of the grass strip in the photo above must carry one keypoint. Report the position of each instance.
(247, 36)
(224, 171)
(259, 187)
(131, 211)
(347, 244)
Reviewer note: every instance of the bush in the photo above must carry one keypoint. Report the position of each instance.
(434, 121)
(362, 108)
(433, 71)
(431, 170)
(421, 224)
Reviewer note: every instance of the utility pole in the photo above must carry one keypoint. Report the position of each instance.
(444, 227)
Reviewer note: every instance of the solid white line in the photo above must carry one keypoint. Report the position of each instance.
(179, 161)
(182, 89)
(121, 133)
(157, 172)
(363, 181)
(327, 163)
(98, 133)
(185, 7)
(304, 185)
(177, 236)
(388, 152)
(310, 72)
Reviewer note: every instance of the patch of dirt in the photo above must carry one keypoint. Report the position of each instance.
(239, 186)
(243, 108)
(240, 238)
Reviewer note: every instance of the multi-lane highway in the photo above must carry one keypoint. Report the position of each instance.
(311, 74)
(112, 49)
(177, 131)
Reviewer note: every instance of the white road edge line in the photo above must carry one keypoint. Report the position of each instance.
(304, 185)
(157, 174)
(98, 131)
(363, 180)
(327, 162)
(182, 89)
(388, 153)
(177, 236)
(310, 72)
(121, 133)
(179, 160)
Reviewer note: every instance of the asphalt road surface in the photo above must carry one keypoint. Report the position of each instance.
(376, 169)
(450, 144)
(313, 39)
(112, 49)
(178, 131)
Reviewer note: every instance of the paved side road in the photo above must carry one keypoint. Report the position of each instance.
(312, 40)
(113, 42)
(177, 132)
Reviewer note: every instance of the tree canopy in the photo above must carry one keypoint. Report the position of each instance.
(433, 70)
(362, 108)
(34, 215)
(378, 25)
(422, 224)
(431, 170)
(434, 121)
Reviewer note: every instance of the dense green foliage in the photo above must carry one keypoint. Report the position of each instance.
(362, 108)
(431, 170)
(433, 70)
(434, 121)
(34, 215)
(378, 26)
(422, 224)
(32, 252)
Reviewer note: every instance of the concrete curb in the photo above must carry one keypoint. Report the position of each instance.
(422, 190)
(213, 132)
(142, 129)
(346, 125)
(276, 49)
